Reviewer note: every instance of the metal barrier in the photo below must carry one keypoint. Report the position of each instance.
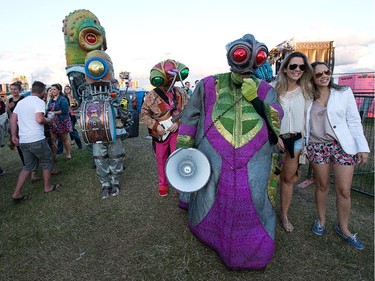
(363, 180)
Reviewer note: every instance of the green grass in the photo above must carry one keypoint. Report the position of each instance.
(72, 234)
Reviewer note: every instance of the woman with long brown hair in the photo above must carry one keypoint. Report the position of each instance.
(61, 126)
(334, 138)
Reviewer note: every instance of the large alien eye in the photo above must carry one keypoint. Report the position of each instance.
(91, 38)
(241, 54)
(184, 73)
(157, 81)
(261, 57)
(96, 68)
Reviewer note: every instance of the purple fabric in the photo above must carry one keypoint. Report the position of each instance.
(187, 130)
(232, 227)
(263, 89)
(183, 205)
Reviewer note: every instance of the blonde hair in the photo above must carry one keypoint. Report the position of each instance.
(304, 82)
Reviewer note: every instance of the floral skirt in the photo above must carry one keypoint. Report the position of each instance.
(61, 126)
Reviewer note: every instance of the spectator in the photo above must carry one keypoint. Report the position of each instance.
(295, 92)
(15, 91)
(74, 135)
(187, 89)
(61, 125)
(3, 120)
(27, 131)
(47, 133)
(334, 137)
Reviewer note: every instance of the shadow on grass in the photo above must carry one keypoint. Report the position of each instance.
(72, 234)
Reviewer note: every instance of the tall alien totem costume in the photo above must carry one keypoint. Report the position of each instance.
(91, 76)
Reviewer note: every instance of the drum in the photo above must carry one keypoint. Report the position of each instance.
(97, 121)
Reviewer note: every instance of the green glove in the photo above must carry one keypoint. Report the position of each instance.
(249, 89)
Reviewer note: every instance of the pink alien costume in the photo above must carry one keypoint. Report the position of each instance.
(234, 118)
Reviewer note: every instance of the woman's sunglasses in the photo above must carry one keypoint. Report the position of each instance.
(302, 67)
(320, 74)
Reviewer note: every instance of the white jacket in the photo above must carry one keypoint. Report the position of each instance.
(345, 121)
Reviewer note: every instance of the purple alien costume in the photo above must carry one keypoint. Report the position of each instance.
(232, 213)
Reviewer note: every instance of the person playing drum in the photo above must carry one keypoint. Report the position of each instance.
(99, 112)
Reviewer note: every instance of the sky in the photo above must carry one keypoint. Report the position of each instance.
(142, 33)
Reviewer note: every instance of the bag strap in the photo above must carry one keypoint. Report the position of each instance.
(164, 97)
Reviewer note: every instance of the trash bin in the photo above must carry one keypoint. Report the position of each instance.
(133, 130)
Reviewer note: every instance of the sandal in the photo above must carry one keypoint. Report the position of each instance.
(54, 187)
(20, 199)
(288, 227)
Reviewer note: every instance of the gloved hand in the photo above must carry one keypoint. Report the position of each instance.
(249, 89)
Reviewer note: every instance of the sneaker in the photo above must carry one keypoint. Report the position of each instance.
(352, 240)
(163, 191)
(105, 193)
(317, 228)
(115, 191)
(2, 172)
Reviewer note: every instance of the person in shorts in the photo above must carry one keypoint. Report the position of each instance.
(334, 137)
(27, 131)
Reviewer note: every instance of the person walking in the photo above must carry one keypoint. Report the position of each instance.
(334, 136)
(74, 135)
(163, 103)
(234, 119)
(61, 126)
(15, 91)
(27, 131)
(295, 92)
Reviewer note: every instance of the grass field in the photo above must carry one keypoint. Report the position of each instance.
(72, 234)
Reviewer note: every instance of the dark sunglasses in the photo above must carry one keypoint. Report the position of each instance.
(320, 74)
(302, 67)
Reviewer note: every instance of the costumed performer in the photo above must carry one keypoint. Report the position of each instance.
(234, 119)
(104, 98)
(161, 110)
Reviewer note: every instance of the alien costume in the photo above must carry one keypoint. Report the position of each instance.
(91, 76)
(234, 119)
(163, 106)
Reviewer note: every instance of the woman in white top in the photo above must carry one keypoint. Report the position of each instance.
(334, 134)
(295, 92)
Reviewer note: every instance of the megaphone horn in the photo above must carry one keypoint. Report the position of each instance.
(188, 169)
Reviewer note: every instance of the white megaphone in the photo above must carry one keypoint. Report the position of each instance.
(188, 169)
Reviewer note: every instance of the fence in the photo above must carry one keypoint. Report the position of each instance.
(364, 175)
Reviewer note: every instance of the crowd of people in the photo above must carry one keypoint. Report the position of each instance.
(34, 121)
(239, 122)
